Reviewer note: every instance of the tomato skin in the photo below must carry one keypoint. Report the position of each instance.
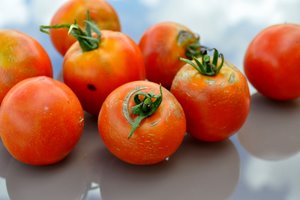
(215, 107)
(162, 50)
(21, 56)
(271, 62)
(157, 137)
(101, 12)
(41, 121)
(93, 75)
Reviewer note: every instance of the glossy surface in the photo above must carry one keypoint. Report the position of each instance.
(261, 162)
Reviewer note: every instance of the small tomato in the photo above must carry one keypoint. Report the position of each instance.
(21, 57)
(214, 95)
(41, 120)
(271, 62)
(162, 45)
(141, 123)
(102, 13)
(99, 62)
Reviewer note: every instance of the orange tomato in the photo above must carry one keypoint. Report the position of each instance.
(41, 120)
(21, 56)
(102, 14)
(216, 106)
(162, 45)
(92, 75)
(157, 136)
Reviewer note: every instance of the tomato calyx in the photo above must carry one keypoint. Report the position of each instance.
(208, 65)
(85, 37)
(146, 104)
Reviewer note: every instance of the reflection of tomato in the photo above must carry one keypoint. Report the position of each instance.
(162, 45)
(92, 75)
(195, 172)
(102, 13)
(215, 106)
(158, 135)
(41, 120)
(272, 62)
(21, 57)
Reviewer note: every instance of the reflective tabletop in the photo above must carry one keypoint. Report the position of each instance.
(261, 161)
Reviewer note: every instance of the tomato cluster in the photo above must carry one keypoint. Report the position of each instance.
(146, 96)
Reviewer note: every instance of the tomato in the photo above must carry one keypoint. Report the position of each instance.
(271, 62)
(134, 136)
(92, 72)
(21, 56)
(102, 13)
(216, 105)
(162, 45)
(41, 120)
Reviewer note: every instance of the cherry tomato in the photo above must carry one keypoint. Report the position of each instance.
(162, 45)
(41, 120)
(216, 105)
(102, 13)
(21, 56)
(92, 73)
(141, 123)
(271, 62)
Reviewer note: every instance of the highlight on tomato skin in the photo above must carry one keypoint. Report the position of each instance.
(271, 62)
(214, 97)
(21, 57)
(141, 123)
(41, 121)
(102, 14)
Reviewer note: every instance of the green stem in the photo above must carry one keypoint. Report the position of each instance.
(208, 65)
(85, 38)
(144, 108)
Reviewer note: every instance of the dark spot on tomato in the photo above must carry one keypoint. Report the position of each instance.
(91, 87)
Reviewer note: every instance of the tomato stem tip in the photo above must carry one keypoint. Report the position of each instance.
(207, 65)
(145, 105)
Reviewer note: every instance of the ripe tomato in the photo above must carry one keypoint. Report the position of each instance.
(21, 57)
(102, 13)
(93, 74)
(216, 105)
(271, 62)
(41, 120)
(162, 45)
(156, 137)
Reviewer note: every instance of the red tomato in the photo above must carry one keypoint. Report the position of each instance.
(92, 75)
(271, 62)
(21, 57)
(41, 120)
(158, 135)
(162, 45)
(102, 13)
(216, 106)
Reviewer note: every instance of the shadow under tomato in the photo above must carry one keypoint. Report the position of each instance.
(196, 171)
(4, 160)
(271, 131)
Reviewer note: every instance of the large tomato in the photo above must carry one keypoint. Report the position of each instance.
(21, 57)
(141, 124)
(41, 120)
(102, 13)
(272, 64)
(92, 73)
(216, 102)
(162, 45)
